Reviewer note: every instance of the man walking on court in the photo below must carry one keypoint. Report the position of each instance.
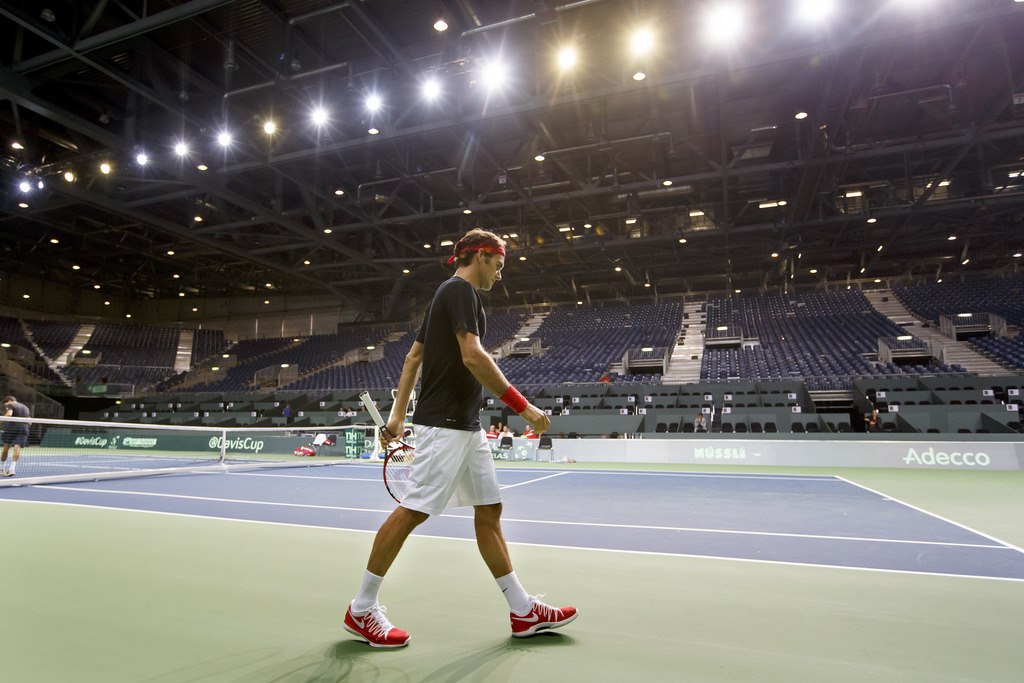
(453, 466)
(14, 433)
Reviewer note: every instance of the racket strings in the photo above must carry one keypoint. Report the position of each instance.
(397, 464)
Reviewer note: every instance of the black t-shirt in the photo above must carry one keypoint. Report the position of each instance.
(17, 410)
(450, 396)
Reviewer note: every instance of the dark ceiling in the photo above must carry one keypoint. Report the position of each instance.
(911, 137)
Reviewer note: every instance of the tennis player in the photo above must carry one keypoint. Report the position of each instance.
(14, 433)
(453, 466)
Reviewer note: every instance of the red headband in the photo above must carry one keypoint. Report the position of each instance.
(486, 248)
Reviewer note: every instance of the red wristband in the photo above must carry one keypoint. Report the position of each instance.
(514, 400)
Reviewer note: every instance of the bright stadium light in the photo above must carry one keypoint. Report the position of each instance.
(142, 159)
(269, 127)
(642, 42)
(374, 102)
(224, 138)
(493, 74)
(319, 116)
(567, 58)
(431, 88)
(723, 24)
(181, 149)
(814, 12)
(24, 186)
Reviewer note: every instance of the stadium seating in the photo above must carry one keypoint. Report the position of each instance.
(826, 338)
(1002, 296)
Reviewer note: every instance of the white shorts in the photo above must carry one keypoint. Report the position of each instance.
(452, 468)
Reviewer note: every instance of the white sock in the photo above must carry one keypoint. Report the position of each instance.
(518, 599)
(366, 598)
(13, 463)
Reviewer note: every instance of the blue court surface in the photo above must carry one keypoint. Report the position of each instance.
(797, 519)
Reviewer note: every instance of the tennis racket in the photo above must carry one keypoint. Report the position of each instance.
(398, 458)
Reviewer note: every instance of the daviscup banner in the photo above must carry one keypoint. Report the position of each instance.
(210, 443)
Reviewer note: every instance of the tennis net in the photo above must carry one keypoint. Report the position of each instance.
(77, 450)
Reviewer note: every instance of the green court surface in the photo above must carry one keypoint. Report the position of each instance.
(92, 594)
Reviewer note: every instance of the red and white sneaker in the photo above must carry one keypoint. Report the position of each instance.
(375, 629)
(540, 617)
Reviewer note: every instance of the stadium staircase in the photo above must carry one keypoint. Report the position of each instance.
(953, 352)
(183, 356)
(50, 362)
(77, 344)
(685, 361)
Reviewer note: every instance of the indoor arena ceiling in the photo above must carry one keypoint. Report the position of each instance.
(786, 144)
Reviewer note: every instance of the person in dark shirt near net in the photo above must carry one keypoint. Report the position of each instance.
(14, 434)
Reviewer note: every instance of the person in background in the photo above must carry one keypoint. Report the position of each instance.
(699, 424)
(14, 433)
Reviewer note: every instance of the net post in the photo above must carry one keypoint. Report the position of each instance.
(223, 445)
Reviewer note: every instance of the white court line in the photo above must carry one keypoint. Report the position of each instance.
(532, 481)
(617, 551)
(216, 500)
(935, 516)
(596, 525)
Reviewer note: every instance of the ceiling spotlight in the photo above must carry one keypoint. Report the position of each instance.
(48, 15)
(269, 127)
(181, 149)
(431, 88)
(69, 176)
(539, 157)
(441, 25)
(17, 145)
(723, 24)
(224, 138)
(105, 168)
(639, 76)
(142, 159)
(642, 41)
(374, 102)
(319, 116)
(24, 186)
(339, 192)
(493, 74)
(814, 11)
(800, 115)
(373, 130)
(567, 58)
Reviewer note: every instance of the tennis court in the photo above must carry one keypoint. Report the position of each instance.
(679, 574)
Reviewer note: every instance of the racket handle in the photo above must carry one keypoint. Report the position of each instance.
(374, 413)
